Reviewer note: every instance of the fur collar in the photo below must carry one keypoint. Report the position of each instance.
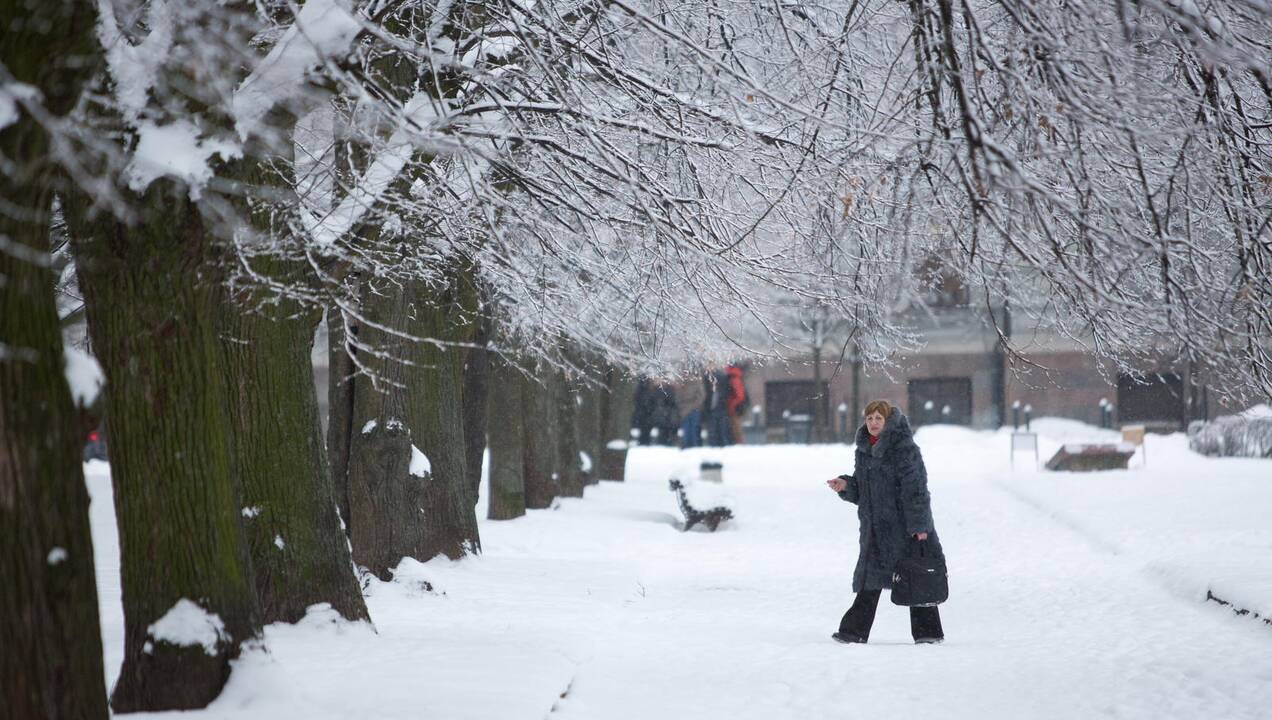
(896, 434)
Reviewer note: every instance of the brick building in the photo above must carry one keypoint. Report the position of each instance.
(961, 377)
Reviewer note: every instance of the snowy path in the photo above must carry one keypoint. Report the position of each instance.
(604, 601)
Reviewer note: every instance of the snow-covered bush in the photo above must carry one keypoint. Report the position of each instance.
(1248, 434)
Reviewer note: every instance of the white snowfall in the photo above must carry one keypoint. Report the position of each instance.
(1072, 596)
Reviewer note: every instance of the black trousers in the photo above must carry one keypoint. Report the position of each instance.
(925, 622)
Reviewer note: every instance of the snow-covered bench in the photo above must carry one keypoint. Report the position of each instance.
(712, 518)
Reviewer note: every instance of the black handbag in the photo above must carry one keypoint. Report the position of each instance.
(920, 578)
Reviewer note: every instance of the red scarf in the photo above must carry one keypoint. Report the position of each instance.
(872, 438)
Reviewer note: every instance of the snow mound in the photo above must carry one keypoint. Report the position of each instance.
(1246, 435)
(946, 434)
(186, 624)
(420, 465)
(1257, 411)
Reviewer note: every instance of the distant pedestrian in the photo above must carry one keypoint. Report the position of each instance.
(643, 410)
(889, 487)
(736, 402)
(689, 395)
(715, 410)
(664, 412)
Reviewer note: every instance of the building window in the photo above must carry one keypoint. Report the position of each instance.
(1156, 398)
(798, 397)
(940, 400)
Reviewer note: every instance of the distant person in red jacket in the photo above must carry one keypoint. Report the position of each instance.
(736, 402)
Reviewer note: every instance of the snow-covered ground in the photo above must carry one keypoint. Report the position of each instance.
(1072, 596)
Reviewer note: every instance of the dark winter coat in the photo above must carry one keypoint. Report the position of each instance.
(715, 387)
(890, 490)
(643, 407)
(663, 412)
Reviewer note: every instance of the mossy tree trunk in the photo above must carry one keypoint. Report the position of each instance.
(475, 392)
(539, 448)
(590, 428)
(505, 432)
(300, 556)
(340, 376)
(51, 659)
(566, 434)
(153, 298)
(409, 402)
(618, 401)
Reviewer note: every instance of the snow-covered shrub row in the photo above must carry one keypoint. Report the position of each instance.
(1248, 434)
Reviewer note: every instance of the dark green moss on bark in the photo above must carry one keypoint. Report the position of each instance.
(505, 430)
(539, 447)
(153, 294)
(413, 393)
(50, 639)
(299, 553)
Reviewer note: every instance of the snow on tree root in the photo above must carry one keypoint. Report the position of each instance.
(188, 625)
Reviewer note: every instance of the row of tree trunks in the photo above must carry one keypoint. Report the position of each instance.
(541, 427)
(407, 407)
(154, 298)
(51, 659)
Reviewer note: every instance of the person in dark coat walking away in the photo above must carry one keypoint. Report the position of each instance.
(665, 414)
(643, 410)
(736, 402)
(889, 487)
(715, 410)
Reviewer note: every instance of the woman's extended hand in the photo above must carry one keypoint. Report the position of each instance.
(838, 484)
(920, 536)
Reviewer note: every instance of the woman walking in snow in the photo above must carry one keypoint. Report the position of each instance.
(890, 490)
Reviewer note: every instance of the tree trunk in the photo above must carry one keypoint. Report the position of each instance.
(618, 402)
(52, 659)
(299, 553)
(340, 375)
(566, 433)
(476, 390)
(153, 295)
(300, 557)
(505, 432)
(538, 448)
(589, 430)
(51, 662)
(410, 406)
